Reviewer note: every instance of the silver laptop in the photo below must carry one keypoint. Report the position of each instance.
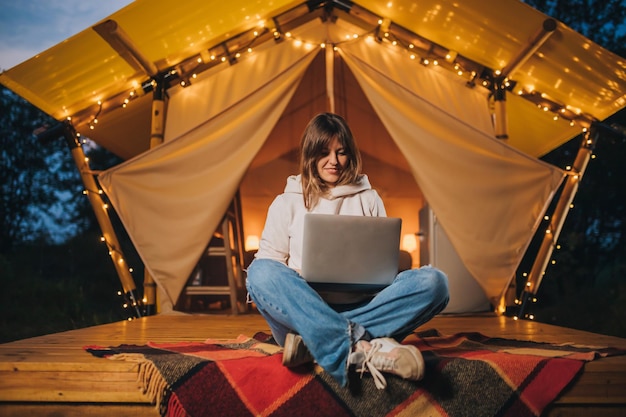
(350, 253)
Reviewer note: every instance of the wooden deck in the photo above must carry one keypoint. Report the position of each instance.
(53, 375)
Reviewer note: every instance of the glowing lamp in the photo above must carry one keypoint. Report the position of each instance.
(409, 242)
(252, 243)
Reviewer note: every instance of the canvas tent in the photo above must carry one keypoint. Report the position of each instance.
(253, 75)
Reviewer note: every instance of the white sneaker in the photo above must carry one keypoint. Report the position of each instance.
(295, 353)
(387, 355)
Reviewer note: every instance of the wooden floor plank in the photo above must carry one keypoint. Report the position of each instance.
(55, 369)
(77, 410)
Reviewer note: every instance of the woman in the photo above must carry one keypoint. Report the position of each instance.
(339, 331)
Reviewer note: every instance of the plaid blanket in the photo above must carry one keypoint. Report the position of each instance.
(467, 374)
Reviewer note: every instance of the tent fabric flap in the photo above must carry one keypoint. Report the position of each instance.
(488, 196)
(171, 198)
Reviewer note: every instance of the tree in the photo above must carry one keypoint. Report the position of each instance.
(49, 239)
(41, 188)
(27, 177)
(602, 21)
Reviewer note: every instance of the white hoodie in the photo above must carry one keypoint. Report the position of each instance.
(282, 236)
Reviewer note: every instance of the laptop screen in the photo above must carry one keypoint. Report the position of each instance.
(350, 253)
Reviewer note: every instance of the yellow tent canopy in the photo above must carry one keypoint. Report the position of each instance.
(71, 78)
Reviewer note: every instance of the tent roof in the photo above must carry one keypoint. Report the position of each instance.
(85, 76)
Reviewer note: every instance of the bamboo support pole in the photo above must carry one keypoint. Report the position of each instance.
(546, 30)
(93, 192)
(557, 220)
(156, 139)
(121, 42)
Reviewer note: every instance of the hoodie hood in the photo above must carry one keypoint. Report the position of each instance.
(294, 185)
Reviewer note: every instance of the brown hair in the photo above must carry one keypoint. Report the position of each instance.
(317, 136)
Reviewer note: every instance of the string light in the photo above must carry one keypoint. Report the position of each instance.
(575, 175)
(112, 251)
(213, 56)
(208, 58)
(94, 120)
(395, 36)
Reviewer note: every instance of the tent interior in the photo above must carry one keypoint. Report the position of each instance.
(416, 81)
(385, 164)
(279, 156)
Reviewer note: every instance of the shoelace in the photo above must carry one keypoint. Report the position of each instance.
(379, 379)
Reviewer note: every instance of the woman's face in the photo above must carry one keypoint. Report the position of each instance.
(332, 163)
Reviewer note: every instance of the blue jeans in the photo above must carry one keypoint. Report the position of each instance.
(289, 304)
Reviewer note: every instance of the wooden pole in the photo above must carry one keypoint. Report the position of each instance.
(500, 85)
(558, 218)
(94, 194)
(156, 139)
(119, 40)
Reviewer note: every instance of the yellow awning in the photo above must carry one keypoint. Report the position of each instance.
(85, 76)
(84, 69)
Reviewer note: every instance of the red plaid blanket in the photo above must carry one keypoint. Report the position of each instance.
(467, 374)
